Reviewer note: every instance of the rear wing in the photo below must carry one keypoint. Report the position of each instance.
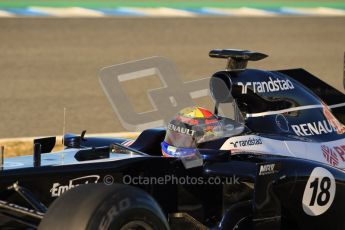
(331, 96)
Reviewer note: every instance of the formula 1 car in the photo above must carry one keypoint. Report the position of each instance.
(279, 167)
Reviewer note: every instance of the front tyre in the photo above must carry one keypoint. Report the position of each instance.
(98, 206)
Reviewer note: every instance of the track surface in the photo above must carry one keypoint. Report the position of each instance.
(48, 64)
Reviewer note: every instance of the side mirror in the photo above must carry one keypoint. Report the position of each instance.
(71, 140)
(221, 87)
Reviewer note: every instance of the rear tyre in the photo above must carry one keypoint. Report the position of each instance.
(98, 206)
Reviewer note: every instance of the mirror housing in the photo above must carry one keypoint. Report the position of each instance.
(221, 87)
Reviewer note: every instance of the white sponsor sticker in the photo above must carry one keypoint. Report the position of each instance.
(331, 152)
(267, 169)
(319, 192)
(246, 142)
(58, 189)
(273, 85)
(313, 128)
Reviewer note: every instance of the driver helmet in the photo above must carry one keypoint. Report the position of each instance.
(191, 126)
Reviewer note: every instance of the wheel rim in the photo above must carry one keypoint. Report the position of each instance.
(136, 225)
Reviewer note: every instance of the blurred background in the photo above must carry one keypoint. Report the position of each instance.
(51, 51)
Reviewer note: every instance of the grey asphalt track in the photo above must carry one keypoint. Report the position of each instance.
(47, 64)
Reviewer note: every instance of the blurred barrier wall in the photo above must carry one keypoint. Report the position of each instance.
(191, 8)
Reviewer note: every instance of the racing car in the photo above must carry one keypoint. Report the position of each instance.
(279, 164)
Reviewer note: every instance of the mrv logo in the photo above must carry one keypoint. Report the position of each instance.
(267, 169)
(248, 142)
(266, 87)
(313, 128)
(58, 189)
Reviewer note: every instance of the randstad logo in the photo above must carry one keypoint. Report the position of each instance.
(269, 86)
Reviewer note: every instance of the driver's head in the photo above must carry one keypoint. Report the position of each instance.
(191, 126)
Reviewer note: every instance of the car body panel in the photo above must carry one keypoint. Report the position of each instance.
(286, 164)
